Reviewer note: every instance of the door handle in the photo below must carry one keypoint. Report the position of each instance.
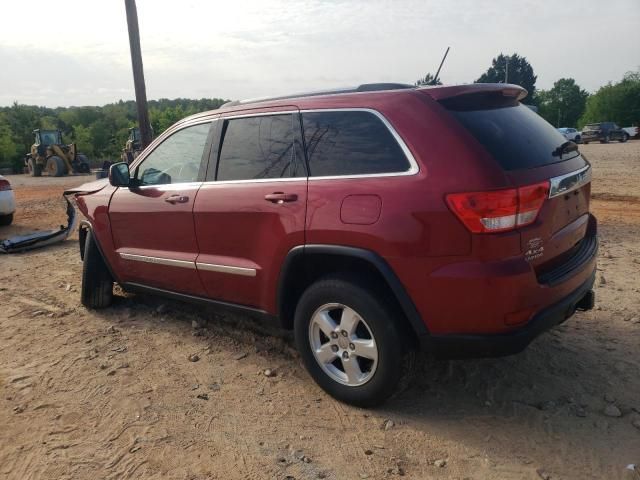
(173, 199)
(281, 197)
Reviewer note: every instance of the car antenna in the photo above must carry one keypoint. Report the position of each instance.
(435, 79)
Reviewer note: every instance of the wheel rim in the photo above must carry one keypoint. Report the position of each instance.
(343, 345)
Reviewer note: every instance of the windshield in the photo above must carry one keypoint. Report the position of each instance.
(592, 126)
(50, 138)
(514, 135)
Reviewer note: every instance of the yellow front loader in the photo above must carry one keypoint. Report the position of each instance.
(49, 154)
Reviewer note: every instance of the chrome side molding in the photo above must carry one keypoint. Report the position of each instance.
(211, 267)
(570, 181)
(158, 260)
(170, 262)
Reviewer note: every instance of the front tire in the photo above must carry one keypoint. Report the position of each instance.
(56, 166)
(624, 138)
(97, 283)
(6, 220)
(350, 341)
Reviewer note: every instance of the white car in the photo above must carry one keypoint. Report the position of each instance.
(571, 134)
(7, 202)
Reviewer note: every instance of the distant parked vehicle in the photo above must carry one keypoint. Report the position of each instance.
(571, 134)
(7, 202)
(604, 132)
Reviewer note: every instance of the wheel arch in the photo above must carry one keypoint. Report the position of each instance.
(306, 264)
(84, 228)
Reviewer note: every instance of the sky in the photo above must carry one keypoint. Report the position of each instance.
(76, 52)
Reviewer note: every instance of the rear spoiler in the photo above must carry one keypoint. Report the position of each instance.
(508, 90)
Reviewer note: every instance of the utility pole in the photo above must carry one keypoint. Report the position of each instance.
(138, 73)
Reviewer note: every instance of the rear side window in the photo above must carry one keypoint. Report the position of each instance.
(514, 135)
(259, 148)
(350, 143)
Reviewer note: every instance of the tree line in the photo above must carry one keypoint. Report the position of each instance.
(99, 132)
(566, 104)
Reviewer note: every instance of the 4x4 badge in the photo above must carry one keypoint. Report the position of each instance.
(534, 249)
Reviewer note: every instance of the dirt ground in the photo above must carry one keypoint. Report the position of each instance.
(112, 394)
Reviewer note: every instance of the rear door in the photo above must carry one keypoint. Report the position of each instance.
(530, 151)
(251, 210)
(152, 223)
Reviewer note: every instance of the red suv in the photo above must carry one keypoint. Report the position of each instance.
(373, 222)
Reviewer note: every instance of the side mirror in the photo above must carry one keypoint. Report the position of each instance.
(119, 175)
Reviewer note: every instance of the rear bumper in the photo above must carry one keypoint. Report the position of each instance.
(514, 341)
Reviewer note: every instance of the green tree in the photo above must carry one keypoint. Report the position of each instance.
(83, 140)
(8, 148)
(619, 102)
(520, 72)
(564, 104)
(428, 79)
(99, 132)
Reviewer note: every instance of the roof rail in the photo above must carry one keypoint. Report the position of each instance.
(365, 87)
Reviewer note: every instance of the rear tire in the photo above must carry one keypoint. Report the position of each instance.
(83, 166)
(35, 170)
(360, 362)
(97, 283)
(56, 166)
(6, 220)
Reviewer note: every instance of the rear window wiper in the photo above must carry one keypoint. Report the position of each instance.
(566, 147)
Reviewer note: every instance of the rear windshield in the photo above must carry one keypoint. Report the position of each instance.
(517, 137)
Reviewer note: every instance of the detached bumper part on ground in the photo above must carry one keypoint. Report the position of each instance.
(22, 243)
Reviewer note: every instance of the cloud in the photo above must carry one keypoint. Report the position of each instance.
(252, 48)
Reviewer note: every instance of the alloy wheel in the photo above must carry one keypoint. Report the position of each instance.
(343, 345)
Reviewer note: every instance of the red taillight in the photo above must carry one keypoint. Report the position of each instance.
(500, 210)
(4, 184)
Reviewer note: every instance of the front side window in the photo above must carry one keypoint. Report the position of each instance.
(350, 143)
(177, 159)
(261, 147)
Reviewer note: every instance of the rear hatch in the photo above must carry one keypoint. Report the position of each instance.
(532, 154)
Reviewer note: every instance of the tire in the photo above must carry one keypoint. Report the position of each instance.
(35, 170)
(577, 139)
(83, 166)
(605, 139)
(374, 330)
(624, 138)
(97, 283)
(586, 143)
(56, 166)
(6, 220)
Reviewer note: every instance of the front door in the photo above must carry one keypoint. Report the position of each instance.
(252, 212)
(152, 222)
